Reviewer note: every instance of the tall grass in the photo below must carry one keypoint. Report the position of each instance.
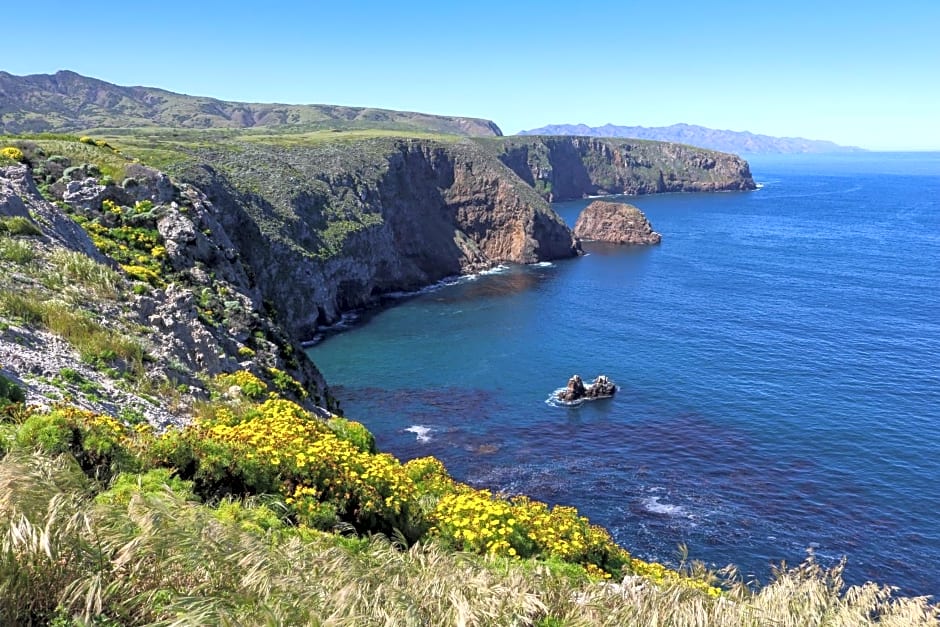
(77, 270)
(160, 559)
(15, 250)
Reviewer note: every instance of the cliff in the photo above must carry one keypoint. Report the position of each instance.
(564, 168)
(251, 246)
(129, 315)
(726, 141)
(326, 230)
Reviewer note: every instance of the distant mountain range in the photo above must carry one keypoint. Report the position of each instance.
(66, 101)
(725, 141)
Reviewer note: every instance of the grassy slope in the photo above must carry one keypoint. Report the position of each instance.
(67, 102)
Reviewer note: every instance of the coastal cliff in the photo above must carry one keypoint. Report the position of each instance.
(326, 230)
(254, 242)
(565, 168)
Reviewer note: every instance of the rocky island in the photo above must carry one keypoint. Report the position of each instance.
(618, 223)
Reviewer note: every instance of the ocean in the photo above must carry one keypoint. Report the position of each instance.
(778, 359)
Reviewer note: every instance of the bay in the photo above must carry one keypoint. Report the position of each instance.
(778, 357)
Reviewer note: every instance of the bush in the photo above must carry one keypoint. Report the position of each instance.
(18, 225)
(11, 153)
(10, 392)
(156, 481)
(101, 445)
(353, 432)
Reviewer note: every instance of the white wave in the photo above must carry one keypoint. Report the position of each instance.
(501, 268)
(544, 264)
(759, 185)
(423, 433)
(554, 401)
(653, 506)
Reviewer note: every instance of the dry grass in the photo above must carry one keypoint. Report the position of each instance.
(79, 273)
(162, 560)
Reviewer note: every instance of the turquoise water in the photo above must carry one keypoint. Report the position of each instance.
(778, 357)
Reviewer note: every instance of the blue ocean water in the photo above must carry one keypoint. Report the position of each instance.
(778, 357)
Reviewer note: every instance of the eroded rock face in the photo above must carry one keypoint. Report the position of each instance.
(380, 216)
(20, 197)
(618, 223)
(564, 168)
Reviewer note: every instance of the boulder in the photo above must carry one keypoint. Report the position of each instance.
(602, 387)
(619, 223)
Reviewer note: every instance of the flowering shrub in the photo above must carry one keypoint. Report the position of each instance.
(250, 385)
(353, 432)
(322, 473)
(139, 250)
(279, 448)
(100, 444)
(11, 153)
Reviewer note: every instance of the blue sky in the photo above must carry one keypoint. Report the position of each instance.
(858, 73)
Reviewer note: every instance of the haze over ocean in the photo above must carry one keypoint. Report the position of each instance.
(779, 362)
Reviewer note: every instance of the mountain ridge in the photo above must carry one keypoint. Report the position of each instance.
(701, 136)
(68, 101)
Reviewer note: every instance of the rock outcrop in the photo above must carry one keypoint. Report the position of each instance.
(576, 390)
(565, 168)
(208, 319)
(615, 222)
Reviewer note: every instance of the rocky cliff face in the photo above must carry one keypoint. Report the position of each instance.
(564, 168)
(200, 316)
(326, 230)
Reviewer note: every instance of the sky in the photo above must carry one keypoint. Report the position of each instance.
(857, 73)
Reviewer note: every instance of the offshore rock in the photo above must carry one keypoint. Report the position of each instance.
(576, 390)
(619, 223)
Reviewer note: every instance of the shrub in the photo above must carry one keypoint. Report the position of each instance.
(142, 273)
(11, 153)
(18, 225)
(10, 392)
(100, 444)
(353, 432)
(286, 384)
(156, 481)
(251, 386)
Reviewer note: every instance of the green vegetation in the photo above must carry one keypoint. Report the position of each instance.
(97, 528)
(15, 250)
(10, 392)
(18, 226)
(77, 270)
(256, 511)
(10, 155)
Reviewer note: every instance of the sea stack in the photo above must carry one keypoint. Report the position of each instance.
(602, 387)
(615, 222)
